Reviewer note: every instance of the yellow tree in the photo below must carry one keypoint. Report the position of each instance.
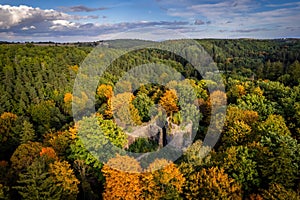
(7, 120)
(124, 110)
(169, 101)
(212, 183)
(64, 178)
(108, 113)
(234, 114)
(68, 102)
(105, 94)
(9, 136)
(68, 98)
(162, 180)
(258, 91)
(105, 91)
(122, 175)
(237, 134)
(240, 90)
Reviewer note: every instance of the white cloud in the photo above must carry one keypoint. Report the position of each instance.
(25, 28)
(14, 15)
(11, 16)
(223, 19)
(61, 24)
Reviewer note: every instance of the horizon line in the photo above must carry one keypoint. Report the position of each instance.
(74, 42)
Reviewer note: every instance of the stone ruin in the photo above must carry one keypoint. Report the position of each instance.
(164, 133)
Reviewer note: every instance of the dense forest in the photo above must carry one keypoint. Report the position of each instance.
(42, 150)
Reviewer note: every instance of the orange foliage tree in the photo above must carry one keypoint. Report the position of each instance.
(169, 101)
(105, 91)
(162, 180)
(122, 175)
(61, 140)
(49, 154)
(68, 97)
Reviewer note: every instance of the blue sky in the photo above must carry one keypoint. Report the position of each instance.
(77, 20)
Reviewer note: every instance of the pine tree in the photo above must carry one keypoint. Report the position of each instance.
(28, 132)
(37, 183)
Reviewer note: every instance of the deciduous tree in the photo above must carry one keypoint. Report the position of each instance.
(122, 175)
(162, 180)
(212, 183)
(25, 155)
(169, 101)
(64, 178)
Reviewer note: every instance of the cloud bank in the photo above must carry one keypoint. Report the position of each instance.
(195, 19)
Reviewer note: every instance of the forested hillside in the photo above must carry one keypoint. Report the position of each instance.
(43, 155)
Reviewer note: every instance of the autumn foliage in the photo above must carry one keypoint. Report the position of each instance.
(218, 98)
(162, 180)
(105, 91)
(169, 101)
(212, 183)
(122, 178)
(49, 153)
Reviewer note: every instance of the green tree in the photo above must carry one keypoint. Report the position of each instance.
(45, 116)
(28, 133)
(274, 124)
(9, 134)
(36, 183)
(294, 71)
(282, 165)
(113, 132)
(143, 104)
(97, 135)
(143, 145)
(238, 162)
(257, 103)
(25, 155)
(79, 152)
(4, 192)
(197, 154)
(88, 182)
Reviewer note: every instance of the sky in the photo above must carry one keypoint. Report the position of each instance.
(91, 20)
